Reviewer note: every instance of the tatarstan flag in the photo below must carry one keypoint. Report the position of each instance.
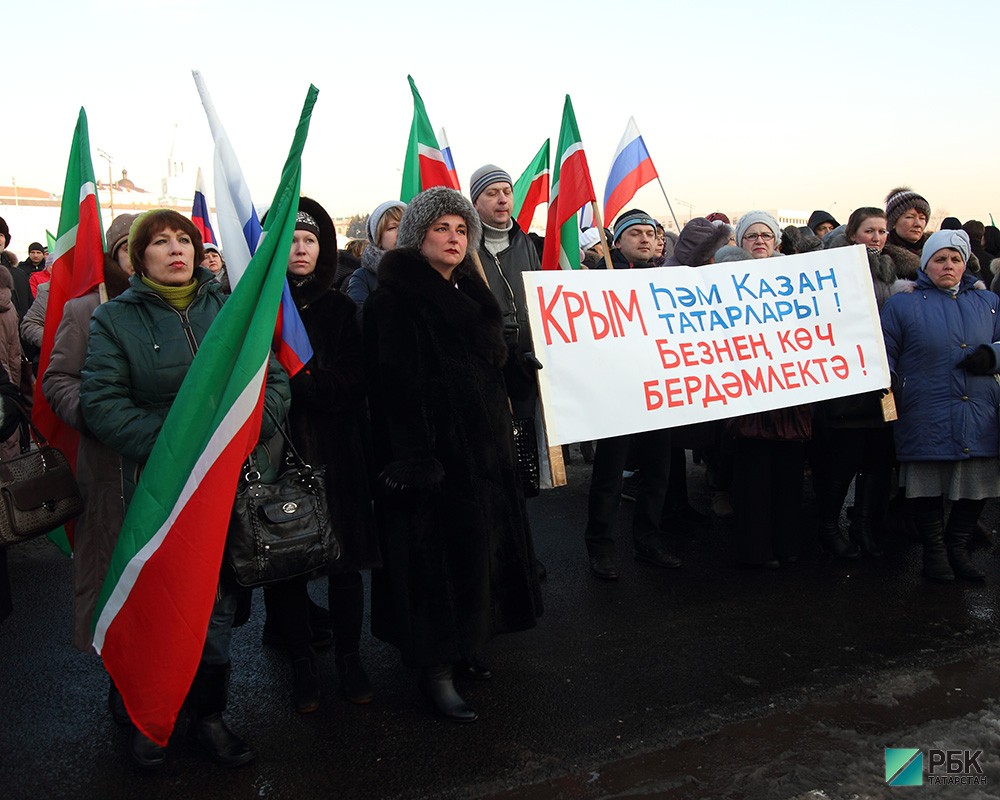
(532, 188)
(425, 164)
(571, 189)
(153, 611)
(78, 267)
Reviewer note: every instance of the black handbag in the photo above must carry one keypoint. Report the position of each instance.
(526, 451)
(38, 492)
(280, 529)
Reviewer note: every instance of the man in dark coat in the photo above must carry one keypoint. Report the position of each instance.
(505, 252)
(634, 239)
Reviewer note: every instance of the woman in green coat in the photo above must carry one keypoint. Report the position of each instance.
(141, 346)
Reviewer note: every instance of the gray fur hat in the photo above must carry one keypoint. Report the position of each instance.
(750, 218)
(956, 240)
(427, 207)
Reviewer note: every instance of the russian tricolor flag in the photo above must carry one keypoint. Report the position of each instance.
(199, 211)
(448, 160)
(631, 169)
(239, 227)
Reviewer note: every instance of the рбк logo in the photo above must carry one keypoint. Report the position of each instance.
(904, 766)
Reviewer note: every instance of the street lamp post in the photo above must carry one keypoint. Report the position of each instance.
(111, 181)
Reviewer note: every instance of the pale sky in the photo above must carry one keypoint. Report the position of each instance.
(742, 105)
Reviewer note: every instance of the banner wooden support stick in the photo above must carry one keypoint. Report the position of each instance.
(474, 255)
(600, 230)
(672, 214)
(556, 465)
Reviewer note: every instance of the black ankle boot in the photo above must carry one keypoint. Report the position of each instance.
(207, 731)
(835, 543)
(145, 752)
(305, 683)
(958, 534)
(438, 686)
(928, 517)
(353, 678)
(117, 706)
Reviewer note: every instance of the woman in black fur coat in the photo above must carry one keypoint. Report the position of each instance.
(456, 543)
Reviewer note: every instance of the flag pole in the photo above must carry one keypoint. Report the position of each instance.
(600, 231)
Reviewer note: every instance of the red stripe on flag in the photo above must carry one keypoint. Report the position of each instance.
(433, 173)
(575, 188)
(174, 639)
(538, 193)
(79, 270)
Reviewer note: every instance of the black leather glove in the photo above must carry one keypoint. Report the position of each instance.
(530, 360)
(980, 361)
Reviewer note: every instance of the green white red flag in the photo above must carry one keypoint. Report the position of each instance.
(532, 188)
(153, 611)
(77, 268)
(571, 190)
(425, 164)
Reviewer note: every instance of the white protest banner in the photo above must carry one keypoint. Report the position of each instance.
(640, 349)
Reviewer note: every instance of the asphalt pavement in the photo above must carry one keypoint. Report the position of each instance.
(706, 681)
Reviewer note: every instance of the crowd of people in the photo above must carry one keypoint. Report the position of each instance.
(422, 371)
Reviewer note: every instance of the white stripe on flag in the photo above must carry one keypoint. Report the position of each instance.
(234, 419)
(65, 243)
(574, 148)
(431, 152)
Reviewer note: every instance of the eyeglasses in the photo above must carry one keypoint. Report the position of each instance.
(764, 237)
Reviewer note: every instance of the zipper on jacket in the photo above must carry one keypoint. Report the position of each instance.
(510, 290)
(185, 321)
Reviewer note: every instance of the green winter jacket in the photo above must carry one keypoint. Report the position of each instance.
(140, 349)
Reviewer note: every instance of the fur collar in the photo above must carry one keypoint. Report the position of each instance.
(467, 306)
(906, 286)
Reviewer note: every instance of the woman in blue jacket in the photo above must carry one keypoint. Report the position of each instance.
(941, 337)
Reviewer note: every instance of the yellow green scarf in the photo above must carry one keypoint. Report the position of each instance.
(178, 297)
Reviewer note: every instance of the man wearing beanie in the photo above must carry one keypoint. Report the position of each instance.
(36, 257)
(506, 252)
(634, 240)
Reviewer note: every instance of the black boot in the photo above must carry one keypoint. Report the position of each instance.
(305, 681)
(870, 496)
(353, 678)
(928, 517)
(958, 534)
(347, 609)
(116, 705)
(207, 731)
(835, 543)
(145, 752)
(438, 686)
